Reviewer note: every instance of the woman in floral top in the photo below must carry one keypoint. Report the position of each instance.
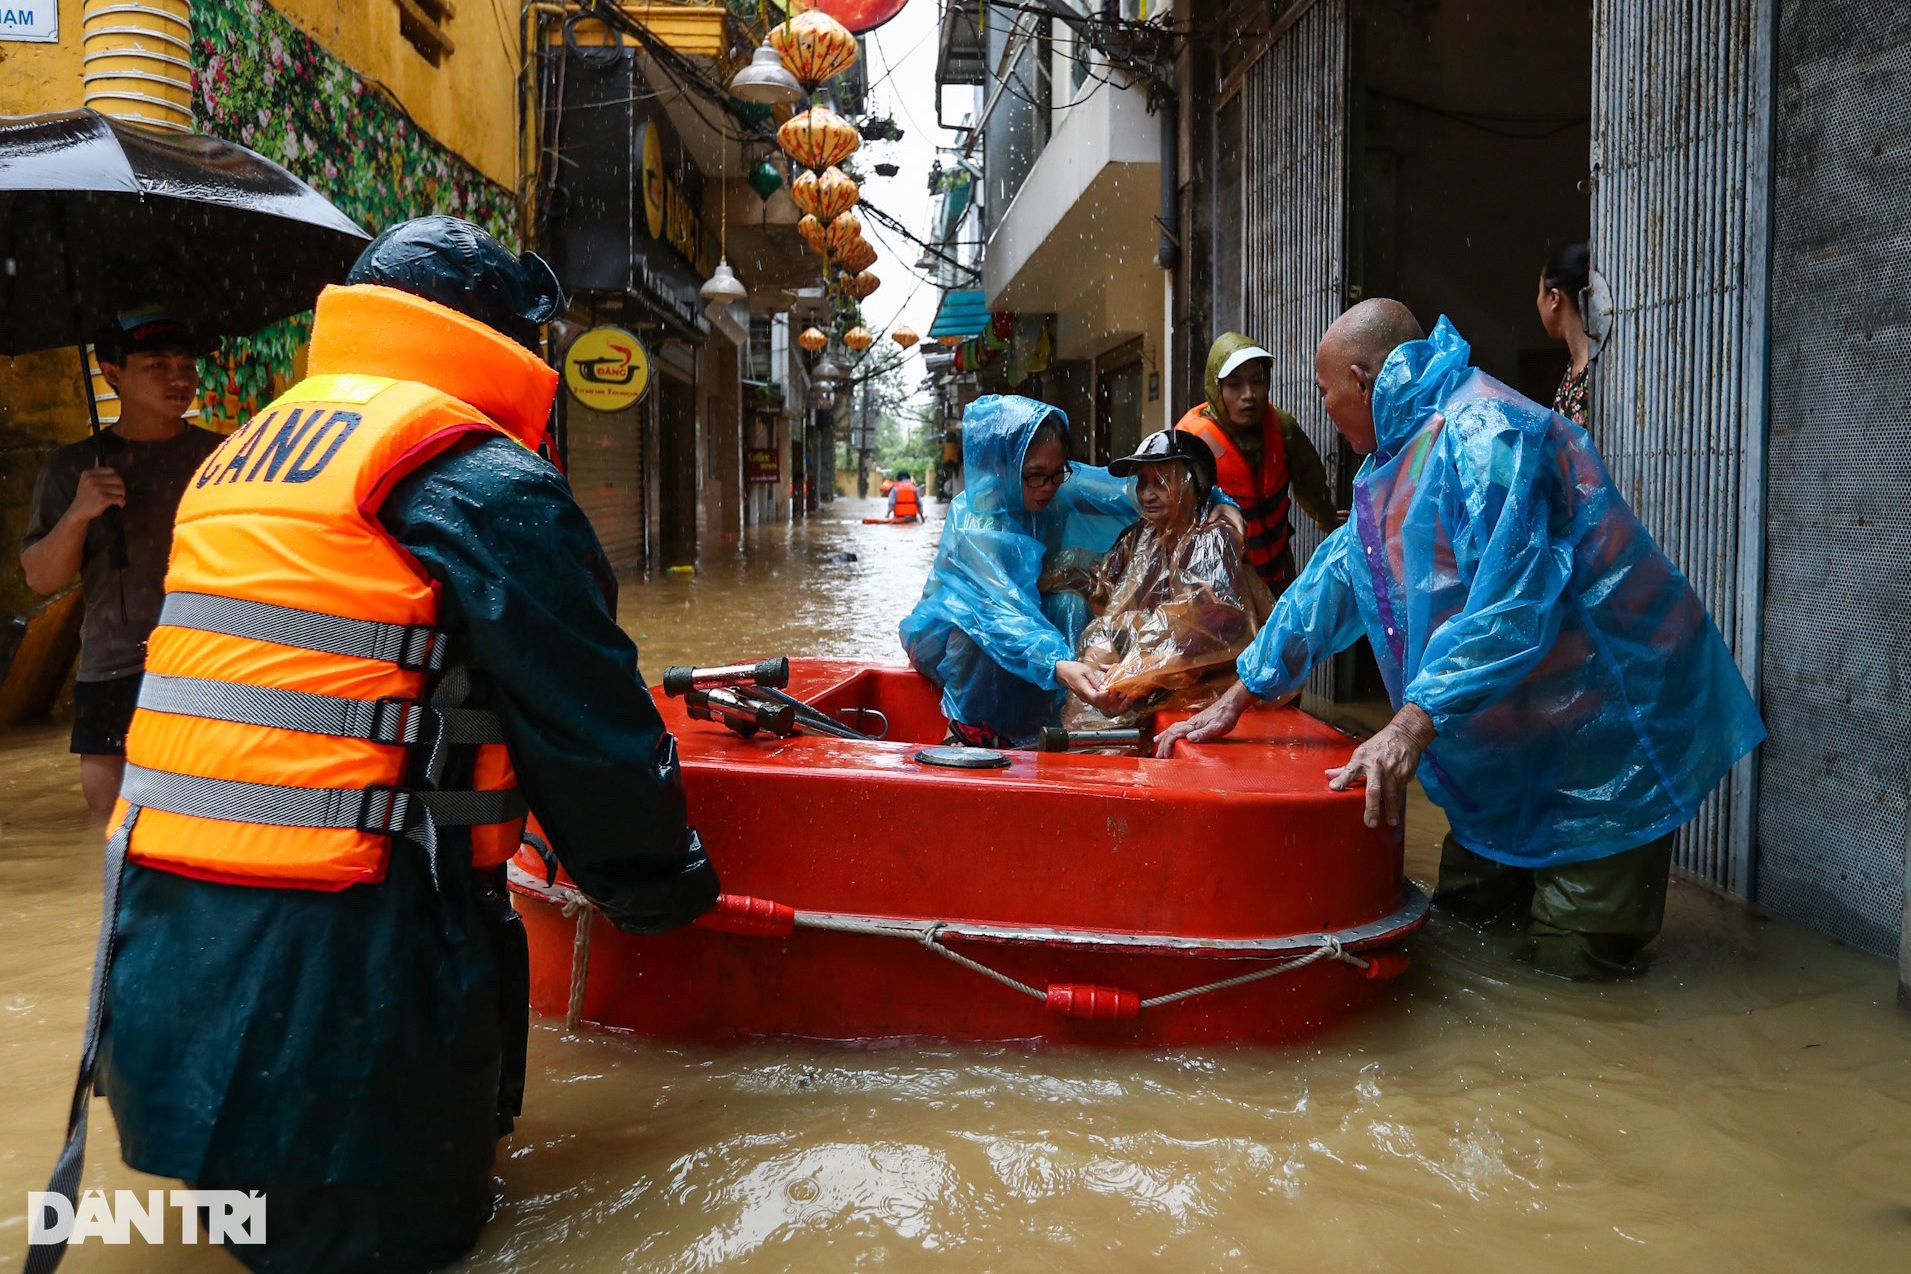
(1562, 292)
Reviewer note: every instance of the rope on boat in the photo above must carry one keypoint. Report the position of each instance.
(579, 906)
(763, 917)
(1075, 999)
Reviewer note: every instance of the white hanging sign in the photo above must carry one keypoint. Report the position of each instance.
(37, 21)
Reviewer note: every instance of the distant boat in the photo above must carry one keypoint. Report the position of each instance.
(1222, 896)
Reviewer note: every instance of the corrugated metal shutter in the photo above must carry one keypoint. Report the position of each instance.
(1294, 141)
(1680, 229)
(1836, 660)
(607, 477)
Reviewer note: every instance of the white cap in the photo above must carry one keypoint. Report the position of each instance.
(1240, 356)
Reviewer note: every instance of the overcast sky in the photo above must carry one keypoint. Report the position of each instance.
(902, 70)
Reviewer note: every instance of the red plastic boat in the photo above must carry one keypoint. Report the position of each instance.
(1224, 895)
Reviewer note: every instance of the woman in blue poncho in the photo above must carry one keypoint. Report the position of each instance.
(1561, 692)
(1002, 651)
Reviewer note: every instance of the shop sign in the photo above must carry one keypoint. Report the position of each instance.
(30, 21)
(761, 465)
(607, 369)
(668, 215)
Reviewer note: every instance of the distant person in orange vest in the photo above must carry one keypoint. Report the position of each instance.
(905, 502)
(1261, 455)
(382, 639)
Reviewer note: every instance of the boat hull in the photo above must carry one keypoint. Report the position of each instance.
(1051, 900)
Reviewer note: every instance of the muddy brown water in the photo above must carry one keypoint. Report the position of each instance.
(1745, 1105)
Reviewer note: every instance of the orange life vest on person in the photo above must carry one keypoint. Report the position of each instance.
(298, 680)
(907, 503)
(1263, 496)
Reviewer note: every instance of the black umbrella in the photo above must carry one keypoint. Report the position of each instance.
(98, 216)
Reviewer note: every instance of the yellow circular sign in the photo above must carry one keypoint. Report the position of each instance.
(607, 369)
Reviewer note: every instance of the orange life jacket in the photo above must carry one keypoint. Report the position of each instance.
(298, 679)
(1263, 496)
(907, 503)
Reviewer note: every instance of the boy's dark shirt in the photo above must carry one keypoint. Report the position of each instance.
(121, 605)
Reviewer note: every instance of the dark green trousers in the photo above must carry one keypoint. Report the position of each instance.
(1583, 920)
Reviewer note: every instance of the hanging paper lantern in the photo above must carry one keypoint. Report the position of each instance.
(818, 138)
(857, 257)
(814, 47)
(764, 179)
(905, 336)
(843, 231)
(836, 194)
(861, 285)
(950, 342)
(858, 338)
(803, 192)
(814, 233)
(813, 339)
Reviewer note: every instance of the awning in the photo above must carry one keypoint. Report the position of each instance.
(961, 314)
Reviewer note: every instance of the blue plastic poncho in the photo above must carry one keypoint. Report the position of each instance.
(982, 631)
(1584, 700)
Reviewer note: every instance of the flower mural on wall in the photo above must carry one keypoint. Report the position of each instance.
(260, 81)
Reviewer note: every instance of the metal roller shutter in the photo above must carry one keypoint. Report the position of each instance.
(607, 477)
(1294, 104)
(1680, 229)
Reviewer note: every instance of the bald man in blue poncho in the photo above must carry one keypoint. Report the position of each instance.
(1561, 692)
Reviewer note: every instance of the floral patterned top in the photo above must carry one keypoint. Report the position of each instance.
(1574, 395)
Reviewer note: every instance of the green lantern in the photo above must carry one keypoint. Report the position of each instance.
(765, 179)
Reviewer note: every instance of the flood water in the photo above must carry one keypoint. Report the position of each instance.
(1745, 1105)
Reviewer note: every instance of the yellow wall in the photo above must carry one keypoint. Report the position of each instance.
(468, 102)
(43, 77)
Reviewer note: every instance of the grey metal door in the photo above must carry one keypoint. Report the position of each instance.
(1680, 229)
(1837, 652)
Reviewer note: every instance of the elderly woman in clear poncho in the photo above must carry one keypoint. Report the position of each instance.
(1175, 599)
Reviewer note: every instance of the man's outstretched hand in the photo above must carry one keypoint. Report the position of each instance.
(1387, 762)
(1212, 722)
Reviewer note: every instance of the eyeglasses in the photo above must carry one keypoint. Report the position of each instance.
(1044, 481)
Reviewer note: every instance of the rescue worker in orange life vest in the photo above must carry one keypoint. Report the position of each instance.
(1264, 459)
(384, 636)
(905, 502)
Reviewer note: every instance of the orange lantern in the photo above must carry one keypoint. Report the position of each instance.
(814, 47)
(836, 194)
(950, 342)
(857, 256)
(818, 138)
(814, 233)
(861, 285)
(858, 338)
(905, 336)
(803, 192)
(843, 231)
(813, 339)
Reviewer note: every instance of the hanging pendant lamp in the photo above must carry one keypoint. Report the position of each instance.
(723, 286)
(766, 81)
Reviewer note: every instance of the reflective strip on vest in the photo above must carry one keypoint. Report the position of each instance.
(415, 648)
(397, 721)
(384, 810)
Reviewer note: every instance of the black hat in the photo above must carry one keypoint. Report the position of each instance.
(458, 265)
(1169, 445)
(144, 330)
